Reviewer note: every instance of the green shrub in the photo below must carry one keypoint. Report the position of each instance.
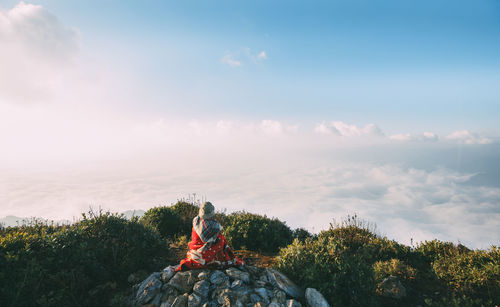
(164, 220)
(256, 232)
(186, 211)
(339, 263)
(473, 273)
(302, 234)
(345, 279)
(78, 265)
(432, 250)
(394, 267)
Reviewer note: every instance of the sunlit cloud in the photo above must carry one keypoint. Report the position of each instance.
(343, 129)
(243, 56)
(424, 137)
(229, 60)
(466, 137)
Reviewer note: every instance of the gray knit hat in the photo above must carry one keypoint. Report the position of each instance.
(207, 210)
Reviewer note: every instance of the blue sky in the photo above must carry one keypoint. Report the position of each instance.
(388, 109)
(405, 64)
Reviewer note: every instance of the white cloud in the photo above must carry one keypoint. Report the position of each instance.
(424, 137)
(243, 56)
(404, 203)
(273, 127)
(466, 137)
(345, 130)
(36, 52)
(229, 60)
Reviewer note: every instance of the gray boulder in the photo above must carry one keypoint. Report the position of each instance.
(167, 273)
(218, 278)
(237, 274)
(183, 281)
(282, 282)
(262, 292)
(148, 289)
(194, 300)
(293, 303)
(202, 288)
(279, 297)
(204, 274)
(315, 299)
(181, 301)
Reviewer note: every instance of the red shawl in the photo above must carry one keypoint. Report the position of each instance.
(212, 252)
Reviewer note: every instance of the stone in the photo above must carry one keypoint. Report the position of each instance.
(169, 293)
(254, 298)
(168, 300)
(181, 301)
(279, 297)
(282, 282)
(292, 303)
(203, 275)
(274, 304)
(242, 293)
(148, 289)
(210, 304)
(392, 287)
(202, 288)
(194, 300)
(236, 283)
(226, 298)
(262, 292)
(167, 273)
(237, 274)
(156, 301)
(182, 281)
(316, 299)
(218, 278)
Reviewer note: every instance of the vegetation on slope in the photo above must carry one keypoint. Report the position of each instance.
(87, 263)
(347, 263)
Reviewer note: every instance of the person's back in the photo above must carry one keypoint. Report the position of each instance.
(208, 246)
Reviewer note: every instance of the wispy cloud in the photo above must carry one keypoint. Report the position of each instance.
(243, 56)
(467, 137)
(229, 60)
(343, 129)
(424, 137)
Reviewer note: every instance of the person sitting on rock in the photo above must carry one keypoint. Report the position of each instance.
(208, 247)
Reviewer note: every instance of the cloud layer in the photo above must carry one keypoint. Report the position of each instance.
(405, 203)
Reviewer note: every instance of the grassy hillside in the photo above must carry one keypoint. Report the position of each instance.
(87, 263)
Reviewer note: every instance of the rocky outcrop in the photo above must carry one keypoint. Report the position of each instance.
(246, 286)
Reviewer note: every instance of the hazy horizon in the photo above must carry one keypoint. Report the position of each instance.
(303, 111)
